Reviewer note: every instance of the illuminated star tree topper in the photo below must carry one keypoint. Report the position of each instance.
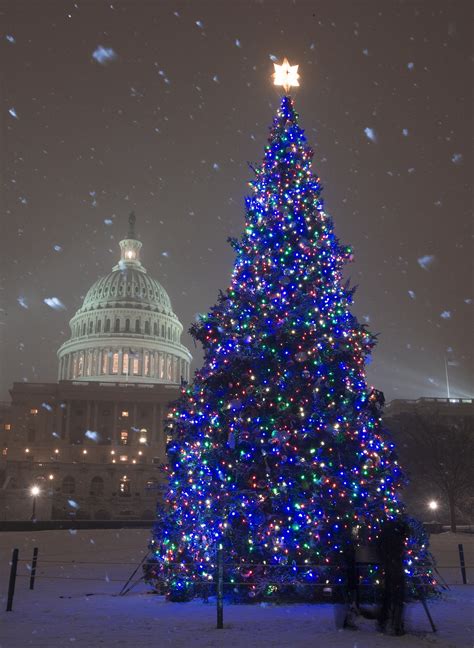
(286, 75)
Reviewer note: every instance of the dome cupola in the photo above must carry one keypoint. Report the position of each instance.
(126, 330)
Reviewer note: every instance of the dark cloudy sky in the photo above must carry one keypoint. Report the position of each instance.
(167, 127)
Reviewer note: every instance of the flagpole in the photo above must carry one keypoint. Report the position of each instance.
(447, 377)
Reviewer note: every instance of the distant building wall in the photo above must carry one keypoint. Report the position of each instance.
(94, 450)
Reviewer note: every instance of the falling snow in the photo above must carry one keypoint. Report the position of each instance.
(54, 303)
(370, 134)
(104, 55)
(426, 261)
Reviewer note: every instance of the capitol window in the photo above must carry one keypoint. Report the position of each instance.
(124, 487)
(124, 437)
(68, 485)
(125, 363)
(135, 367)
(115, 359)
(104, 362)
(146, 364)
(97, 486)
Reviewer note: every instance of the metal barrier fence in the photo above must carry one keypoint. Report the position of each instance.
(218, 580)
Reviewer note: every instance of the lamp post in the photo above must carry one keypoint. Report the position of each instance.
(35, 491)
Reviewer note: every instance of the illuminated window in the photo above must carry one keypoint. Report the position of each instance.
(80, 369)
(142, 438)
(124, 487)
(125, 413)
(8, 426)
(135, 366)
(146, 364)
(88, 363)
(130, 254)
(74, 366)
(5, 452)
(123, 457)
(104, 362)
(162, 366)
(124, 437)
(115, 359)
(33, 411)
(125, 363)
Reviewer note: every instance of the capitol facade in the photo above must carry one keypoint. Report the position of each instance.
(93, 443)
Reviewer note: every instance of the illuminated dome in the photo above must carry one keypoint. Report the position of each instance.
(125, 331)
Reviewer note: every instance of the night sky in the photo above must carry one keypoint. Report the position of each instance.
(166, 124)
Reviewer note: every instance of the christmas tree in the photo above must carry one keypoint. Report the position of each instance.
(277, 450)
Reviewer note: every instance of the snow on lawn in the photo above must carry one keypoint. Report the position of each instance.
(77, 604)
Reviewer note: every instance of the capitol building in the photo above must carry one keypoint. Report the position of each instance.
(92, 443)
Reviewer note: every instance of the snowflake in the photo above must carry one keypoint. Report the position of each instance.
(370, 133)
(54, 303)
(425, 261)
(104, 55)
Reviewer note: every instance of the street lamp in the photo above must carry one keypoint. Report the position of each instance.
(433, 505)
(35, 491)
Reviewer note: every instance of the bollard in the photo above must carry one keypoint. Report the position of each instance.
(220, 588)
(11, 584)
(33, 568)
(463, 564)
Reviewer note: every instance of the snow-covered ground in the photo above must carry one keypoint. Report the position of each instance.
(77, 604)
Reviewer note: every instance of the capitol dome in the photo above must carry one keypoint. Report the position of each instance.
(126, 330)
